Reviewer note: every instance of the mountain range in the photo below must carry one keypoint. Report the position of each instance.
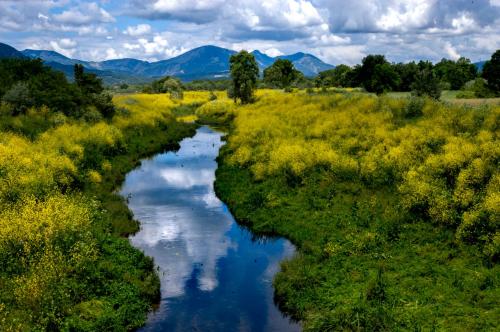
(206, 62)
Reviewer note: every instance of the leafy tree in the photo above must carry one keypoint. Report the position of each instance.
(281, 74)
(87, 82)
(456, 73)
(491, 72)
(19, 97)
(426, 84)
(244, 74)
(367, 71)
(173, 86)
(407, 73)
(384, 78)
(337, 77)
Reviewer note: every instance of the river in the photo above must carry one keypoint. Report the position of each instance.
(215, 275)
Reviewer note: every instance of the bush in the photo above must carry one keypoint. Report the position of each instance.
(414, 107)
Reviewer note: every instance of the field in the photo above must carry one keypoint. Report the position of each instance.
(392, 202)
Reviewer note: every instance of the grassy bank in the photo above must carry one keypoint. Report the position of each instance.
(392, 203)
(64, 262)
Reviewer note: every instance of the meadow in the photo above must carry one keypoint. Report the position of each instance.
(65, 263)
(391, 201)
(393, 204)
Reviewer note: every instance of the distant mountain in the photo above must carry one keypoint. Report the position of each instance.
(206, 62)
(308, 64)
(479, 65)
(202, 62)
(51, 56)
(7, 51)
(263, 60)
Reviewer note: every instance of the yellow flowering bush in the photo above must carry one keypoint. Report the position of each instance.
(440, 162)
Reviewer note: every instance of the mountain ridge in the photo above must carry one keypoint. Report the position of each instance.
(204, 62)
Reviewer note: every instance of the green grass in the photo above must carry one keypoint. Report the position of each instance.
(359, 266)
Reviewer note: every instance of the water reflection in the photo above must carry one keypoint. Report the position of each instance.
(213, 276)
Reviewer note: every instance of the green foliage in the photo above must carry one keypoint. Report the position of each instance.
(491, 72)
(337, 77)
(18, 96)
(208, 85)
(426, 84)
(168, 84)
(407, 73)
(414, 107)
(372, 69)
(244, 75)
(28, 83)
(63, 264)
(281, 74)
(392, 204)
(456, 73)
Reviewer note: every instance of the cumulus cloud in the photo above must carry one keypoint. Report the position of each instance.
(335, 30)
(65, 46)
(85, 13)
(138, 30)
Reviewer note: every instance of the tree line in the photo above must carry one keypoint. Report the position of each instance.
(25, 84)
(376, 74)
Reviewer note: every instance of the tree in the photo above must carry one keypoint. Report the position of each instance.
(407, 73)
(426, 84)
(244, 75)
(18, 97)
(384, 78)
(491, 72)
(456, 73)
(281, 74)
(337, 77)
(87, 82)
(367, 70)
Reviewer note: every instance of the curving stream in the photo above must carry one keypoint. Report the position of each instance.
(214, 275)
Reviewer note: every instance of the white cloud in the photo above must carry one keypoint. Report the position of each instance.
(86, 13)
(273, 52)
(64, 46)
(451, 51)
(138, 30)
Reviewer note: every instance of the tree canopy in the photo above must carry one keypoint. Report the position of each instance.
(491, 72)
(244, 75)
(281, 74)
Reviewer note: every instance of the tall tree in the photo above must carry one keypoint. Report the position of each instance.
(491, 72)
(244, 75)
(281, 74)
(426, 84)
(369, 76)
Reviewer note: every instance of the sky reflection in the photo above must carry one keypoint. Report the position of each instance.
(214, 277)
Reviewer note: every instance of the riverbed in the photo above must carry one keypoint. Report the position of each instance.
(215, 275)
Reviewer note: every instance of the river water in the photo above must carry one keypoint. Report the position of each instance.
(215, 276)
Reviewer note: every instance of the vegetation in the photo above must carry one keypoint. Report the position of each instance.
(392, 203)
(28, 83)
(281, 74)
(426, 84)
(63, 262)
(491, 73)
(377, 75)
(168, 84)
(244, 75)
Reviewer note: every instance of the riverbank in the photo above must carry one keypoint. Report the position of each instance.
(332, 173)
(75, 270)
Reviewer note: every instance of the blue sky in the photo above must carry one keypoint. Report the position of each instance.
(337, 31)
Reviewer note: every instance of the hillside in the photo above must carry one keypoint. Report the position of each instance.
(7, 51)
